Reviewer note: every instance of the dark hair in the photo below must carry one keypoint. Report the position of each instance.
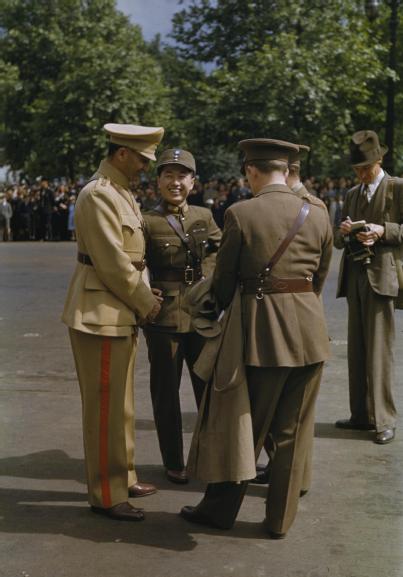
(113, 148)
(267, 166)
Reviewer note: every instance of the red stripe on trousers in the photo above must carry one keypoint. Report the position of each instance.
(104, 422)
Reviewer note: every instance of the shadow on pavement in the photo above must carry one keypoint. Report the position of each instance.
(67, 513)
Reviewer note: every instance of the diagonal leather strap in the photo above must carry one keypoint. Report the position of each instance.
(299, 221)
(174, 224)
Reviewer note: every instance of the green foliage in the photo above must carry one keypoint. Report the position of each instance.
(312, 71)
(81, 64)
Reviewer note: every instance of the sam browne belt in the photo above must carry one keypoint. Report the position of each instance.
(272, 285)
(189, 275)
(85, 259)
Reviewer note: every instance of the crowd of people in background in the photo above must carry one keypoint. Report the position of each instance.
(45, 210)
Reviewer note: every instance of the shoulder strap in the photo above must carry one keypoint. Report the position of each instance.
(299, 221)
(174, 224)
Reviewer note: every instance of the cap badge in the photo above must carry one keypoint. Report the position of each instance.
(176, 154)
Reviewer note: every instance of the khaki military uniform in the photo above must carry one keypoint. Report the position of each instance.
(286, 340)
(106, 297)
(171, 340)
(370, 292)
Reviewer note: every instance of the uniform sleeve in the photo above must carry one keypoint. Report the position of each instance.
(326, 257)
(394, 230)
(214, 240)
(227, 266)
(103, 236)
(338, 239)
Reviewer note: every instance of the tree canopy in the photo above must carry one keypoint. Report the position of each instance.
(312, 71)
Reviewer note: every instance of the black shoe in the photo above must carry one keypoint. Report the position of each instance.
(262, 477)
(384, 437)
(120, 512)
(303, 492)
(273, 534)
(353, 425)
(193, 515)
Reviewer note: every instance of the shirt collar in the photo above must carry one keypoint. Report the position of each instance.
(374, 185)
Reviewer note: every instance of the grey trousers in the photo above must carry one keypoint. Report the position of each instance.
(371, 335)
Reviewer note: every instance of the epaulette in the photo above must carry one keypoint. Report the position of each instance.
(313, 200)
(103, 183)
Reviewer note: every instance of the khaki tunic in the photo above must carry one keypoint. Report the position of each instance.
(108, 297)
(253, 231)
(166, 251)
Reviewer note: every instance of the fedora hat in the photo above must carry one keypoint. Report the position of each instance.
(365, 148)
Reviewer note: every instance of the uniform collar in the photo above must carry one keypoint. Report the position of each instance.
(273, 188)
(173, 209)
(116, 176)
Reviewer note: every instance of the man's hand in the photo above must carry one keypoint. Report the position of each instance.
(153, 313)
(157, 307)
(373, 233)
(345, 226)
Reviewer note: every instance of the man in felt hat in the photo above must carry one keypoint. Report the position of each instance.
(182, 241)
(108, 296)
(368, 279)
(285, 333)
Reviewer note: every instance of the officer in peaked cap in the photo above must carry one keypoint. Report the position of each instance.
(285, 334)
(108, 295)
(182, 241)
(371, 286)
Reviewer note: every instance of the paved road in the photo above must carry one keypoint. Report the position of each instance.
(349, 525)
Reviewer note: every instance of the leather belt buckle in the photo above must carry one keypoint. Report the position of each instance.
(189, 275)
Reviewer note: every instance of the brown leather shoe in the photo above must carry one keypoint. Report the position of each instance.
(141, 490)
(384, 437)
(120, 512)
(353, 425)
(179, 477)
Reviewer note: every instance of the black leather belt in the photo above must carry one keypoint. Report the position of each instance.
(188, 275)
(85, 259)
(272, 285)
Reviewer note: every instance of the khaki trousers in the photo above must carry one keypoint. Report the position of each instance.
(270, 449)
(105, 373)
(283, 404)
(371, 334)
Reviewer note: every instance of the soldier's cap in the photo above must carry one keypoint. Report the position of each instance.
(267, 149)
(365, 148)
(177, 156)
(296, 157)
(142, 139)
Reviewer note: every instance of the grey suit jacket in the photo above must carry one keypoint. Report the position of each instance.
(382, 273)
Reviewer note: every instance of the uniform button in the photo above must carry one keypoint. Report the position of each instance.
(187, 234)
(166, 244)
